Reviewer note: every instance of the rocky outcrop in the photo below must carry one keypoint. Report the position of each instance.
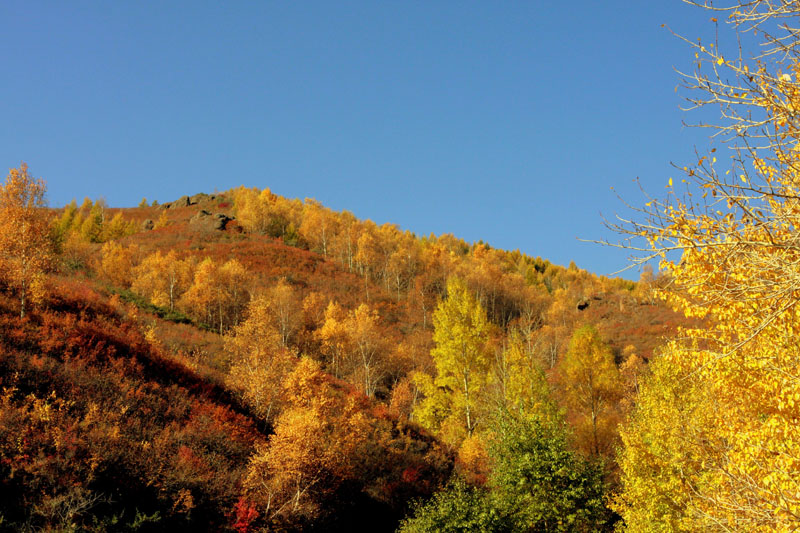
(204, 219)
(186, 201)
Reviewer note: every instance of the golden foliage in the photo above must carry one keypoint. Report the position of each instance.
(162, 279)
(313, 448)
(353, 342)
(453, 397)
(714, 443)
(260, 362)
(26, 250)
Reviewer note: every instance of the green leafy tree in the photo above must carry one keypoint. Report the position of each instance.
(539, 484)
(92, 226)
(457, 508)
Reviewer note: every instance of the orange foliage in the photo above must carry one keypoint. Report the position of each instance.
(25, 246)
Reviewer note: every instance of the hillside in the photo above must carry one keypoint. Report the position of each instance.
(241, 360)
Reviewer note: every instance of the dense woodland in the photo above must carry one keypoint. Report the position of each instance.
(242, 361)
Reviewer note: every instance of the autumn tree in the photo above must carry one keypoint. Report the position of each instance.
(366, 347)
(162, 278)
(333, 337)
(666, 441)
(268, 213)
(403, 265)
(452, 396)
(235, 282)
(117, 228)
(319, 225)
(726, 235)
(592, 386)
(217, 294)
(63, 224)
(345, 241)
(260, 361)
(117, 263)
(313, 449)
(25, 246)
(284, 307)
(92, 227)
(354, 342)
(519, 384)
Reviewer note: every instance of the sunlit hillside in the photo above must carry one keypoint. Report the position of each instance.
(240, 360)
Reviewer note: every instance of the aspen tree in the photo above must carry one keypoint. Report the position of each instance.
(452, 397)
(26, 250)
(726, 456)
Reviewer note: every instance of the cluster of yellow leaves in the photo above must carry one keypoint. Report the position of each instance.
(218, 293)
(592, 388)
(89, 223)
(25, 246)
(353, 343)
(314, 446)
(714, 443)
(453, 396)
(260, 361)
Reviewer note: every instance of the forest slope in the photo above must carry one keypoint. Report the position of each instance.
(240, 360)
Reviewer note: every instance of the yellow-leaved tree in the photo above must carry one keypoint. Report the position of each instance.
(592, 387)
(259, 359)
(714, 441)
(354, 344)
(453, 396)
(162, 278)
(26, 249)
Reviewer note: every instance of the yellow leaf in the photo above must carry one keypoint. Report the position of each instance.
(720, 60)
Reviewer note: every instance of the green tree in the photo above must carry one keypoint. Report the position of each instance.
(461, 330)
(92, 226)
(456, 509)
(539, 484)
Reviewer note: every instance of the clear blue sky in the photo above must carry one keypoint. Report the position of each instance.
(502, 121)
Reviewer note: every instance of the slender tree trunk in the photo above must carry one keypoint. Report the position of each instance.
(22, 296)
(467, 402)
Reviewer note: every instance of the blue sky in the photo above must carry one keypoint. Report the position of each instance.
(502, 121)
